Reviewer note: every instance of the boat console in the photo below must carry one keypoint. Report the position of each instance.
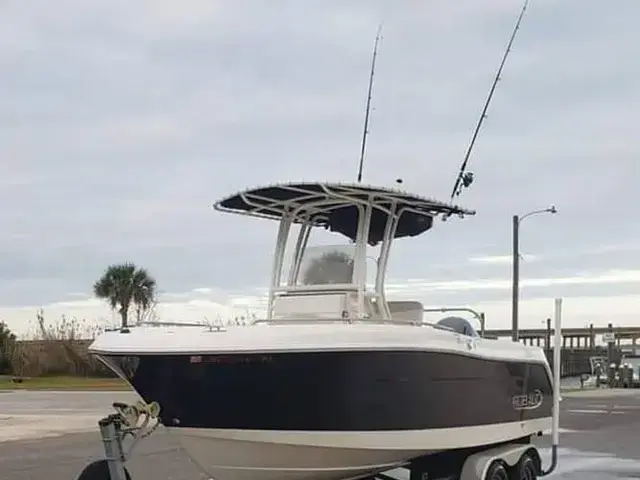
(328, 281)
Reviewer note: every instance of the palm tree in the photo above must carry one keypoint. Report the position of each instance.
(125, 285)
(332, 267)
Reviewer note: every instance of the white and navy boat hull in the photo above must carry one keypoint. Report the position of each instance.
(345, 411)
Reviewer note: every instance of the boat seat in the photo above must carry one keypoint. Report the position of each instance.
(406, 311)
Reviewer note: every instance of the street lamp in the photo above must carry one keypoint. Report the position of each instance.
(515, 290)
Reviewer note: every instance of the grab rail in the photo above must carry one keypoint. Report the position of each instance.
(210, 326)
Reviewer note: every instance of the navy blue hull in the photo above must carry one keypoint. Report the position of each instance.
(337, 391)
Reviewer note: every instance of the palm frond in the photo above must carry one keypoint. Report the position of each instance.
(125, 284)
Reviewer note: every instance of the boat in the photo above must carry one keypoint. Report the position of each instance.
(336, 381)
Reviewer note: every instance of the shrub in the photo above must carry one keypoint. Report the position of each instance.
(7, 348)
(59, 348)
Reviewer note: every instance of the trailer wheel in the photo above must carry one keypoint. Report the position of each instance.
(497, 471)
(99, 470)
(526, 469)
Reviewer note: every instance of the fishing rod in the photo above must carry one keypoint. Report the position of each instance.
(365, 131)
(465, 179)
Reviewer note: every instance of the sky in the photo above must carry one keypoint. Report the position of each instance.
(123, 121)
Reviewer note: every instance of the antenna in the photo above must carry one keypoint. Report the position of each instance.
(365, 131)
(465, 178)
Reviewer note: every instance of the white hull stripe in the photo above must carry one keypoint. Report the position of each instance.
(435, 439)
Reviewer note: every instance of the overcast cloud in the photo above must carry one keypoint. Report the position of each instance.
(122, 121)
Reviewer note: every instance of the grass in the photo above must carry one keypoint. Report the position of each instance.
(63, 383)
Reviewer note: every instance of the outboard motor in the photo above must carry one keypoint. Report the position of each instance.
(459, 325)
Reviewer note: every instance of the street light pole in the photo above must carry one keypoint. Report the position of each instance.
(515, 290)
(515, 287)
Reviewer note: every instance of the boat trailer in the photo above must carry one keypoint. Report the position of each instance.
(134, 422)
(512, 461)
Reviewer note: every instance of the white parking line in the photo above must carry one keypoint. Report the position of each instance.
(625, 407)
(599, 412)
(560, 430)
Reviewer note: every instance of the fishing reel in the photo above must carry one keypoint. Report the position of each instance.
(467, 180)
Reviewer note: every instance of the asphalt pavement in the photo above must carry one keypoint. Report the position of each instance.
(53, 435)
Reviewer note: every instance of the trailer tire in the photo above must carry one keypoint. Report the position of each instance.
(497, 471)
(98, 470)
(526, 468)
